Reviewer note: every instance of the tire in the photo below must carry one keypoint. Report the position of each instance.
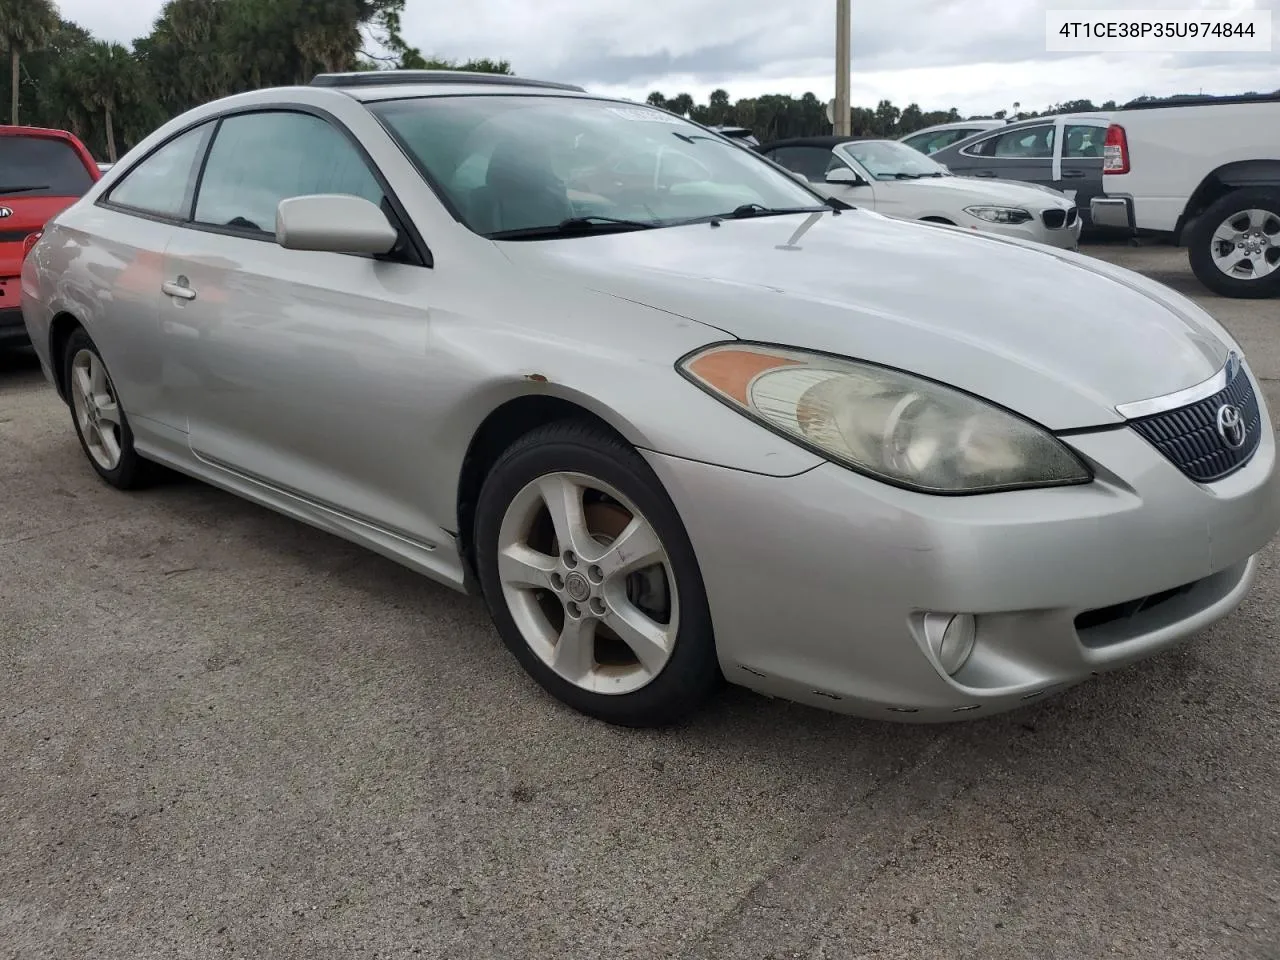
(623, 496)
(1265, 236)
(101, 437)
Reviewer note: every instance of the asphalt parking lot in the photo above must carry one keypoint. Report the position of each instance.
(224, 734)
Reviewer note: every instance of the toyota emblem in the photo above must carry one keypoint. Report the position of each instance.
(5, 212)
(1231, 426)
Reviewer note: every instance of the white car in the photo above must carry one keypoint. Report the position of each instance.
(895, 180)
(933, 139)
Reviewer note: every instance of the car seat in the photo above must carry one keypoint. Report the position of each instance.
(521, 190)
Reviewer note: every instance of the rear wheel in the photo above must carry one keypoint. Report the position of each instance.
(99, 418)
(591, 579)
(1234, 246)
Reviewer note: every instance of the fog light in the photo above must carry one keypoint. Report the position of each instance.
(951, 638)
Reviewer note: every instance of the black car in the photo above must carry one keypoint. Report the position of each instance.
(1064, 153)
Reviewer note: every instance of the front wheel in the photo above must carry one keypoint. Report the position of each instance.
(591, 579)
(1234, 246)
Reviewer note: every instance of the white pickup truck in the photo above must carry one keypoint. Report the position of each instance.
(1207, 174)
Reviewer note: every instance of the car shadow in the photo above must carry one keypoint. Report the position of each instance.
(16, 361)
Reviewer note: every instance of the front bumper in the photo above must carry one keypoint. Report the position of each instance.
(1064, 238)
(816, 582)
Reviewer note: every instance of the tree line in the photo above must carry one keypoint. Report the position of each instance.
(779, 116)
(111, 96)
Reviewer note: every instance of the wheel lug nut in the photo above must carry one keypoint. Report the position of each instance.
(569, 559)
(596, 574)
(557, 581)
(597, 606)
(573, 610)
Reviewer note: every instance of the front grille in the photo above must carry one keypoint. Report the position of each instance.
(1125, 611)
(13, 236)
(1054, 219)
(1190, 438)
(1072, 216)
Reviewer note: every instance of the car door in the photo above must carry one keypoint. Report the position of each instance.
(1081, 163)
(1025, 154)
(139, 216)
(863, 191)
(302, 370)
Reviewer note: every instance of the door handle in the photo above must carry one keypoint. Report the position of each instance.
(1072, 174)
(985, 173)
(178, 288)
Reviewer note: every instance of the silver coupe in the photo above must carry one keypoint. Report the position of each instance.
(675, 416)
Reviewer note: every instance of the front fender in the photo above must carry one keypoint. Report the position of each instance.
(630, 384)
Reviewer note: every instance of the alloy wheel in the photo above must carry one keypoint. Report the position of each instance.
(1246, 246)
(588, 583)
(97, 410)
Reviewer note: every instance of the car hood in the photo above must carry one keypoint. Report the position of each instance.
(973, 190)
(1055, 336)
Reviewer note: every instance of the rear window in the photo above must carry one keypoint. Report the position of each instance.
(41, 167)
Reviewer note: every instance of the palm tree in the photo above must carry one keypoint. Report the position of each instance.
(25, 25)
(107, 77)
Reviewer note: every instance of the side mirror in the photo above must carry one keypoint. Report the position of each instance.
(333, 223)
(844, 175)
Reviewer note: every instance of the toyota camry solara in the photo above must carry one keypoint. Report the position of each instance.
(673, 415)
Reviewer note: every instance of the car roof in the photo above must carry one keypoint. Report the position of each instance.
(372, 85)
(7, 130)
(980, 122)
(1100, 120)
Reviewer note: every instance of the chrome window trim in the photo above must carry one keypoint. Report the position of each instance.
(1181, 398)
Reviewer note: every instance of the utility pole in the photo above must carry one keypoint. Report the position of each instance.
(841, 121)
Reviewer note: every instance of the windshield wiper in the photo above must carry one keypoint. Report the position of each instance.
(4, 191)
(758, 210)
(572, 226)
(748, 210)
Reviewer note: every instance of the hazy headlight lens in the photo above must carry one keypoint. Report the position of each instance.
(894, 426)
(999, 214)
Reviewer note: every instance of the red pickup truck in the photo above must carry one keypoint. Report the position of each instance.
(42, 172)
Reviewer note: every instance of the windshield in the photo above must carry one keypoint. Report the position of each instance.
(41, 167)
(518, 163)
(890, 160)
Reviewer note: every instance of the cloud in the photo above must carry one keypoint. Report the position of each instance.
(978, 55)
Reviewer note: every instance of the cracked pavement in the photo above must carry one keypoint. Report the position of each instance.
(224, 734)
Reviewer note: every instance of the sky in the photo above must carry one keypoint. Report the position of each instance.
(976, 55)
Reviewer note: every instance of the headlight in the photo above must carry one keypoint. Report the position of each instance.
(999, 214)
(896, 427)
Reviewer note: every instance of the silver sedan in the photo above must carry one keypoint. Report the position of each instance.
(674, 415)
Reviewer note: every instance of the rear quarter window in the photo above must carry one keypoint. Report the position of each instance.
(41, 167)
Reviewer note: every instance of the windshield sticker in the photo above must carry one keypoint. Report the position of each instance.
(645, 114)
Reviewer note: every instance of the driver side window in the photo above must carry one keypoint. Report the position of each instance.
(836, 163)
(259, 159)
